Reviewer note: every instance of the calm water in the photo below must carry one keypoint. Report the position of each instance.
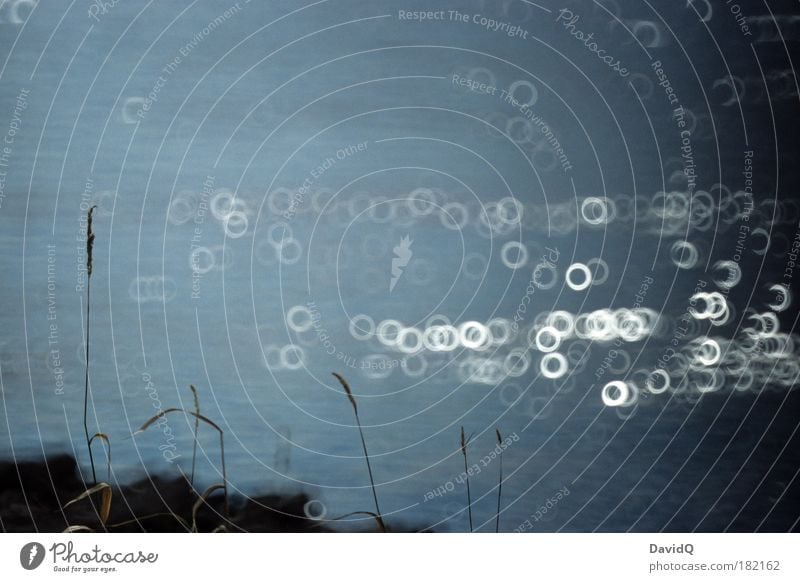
(246, 160)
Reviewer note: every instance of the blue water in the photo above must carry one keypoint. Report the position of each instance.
(324, 120)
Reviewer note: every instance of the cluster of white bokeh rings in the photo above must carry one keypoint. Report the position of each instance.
(562, 321)
(231, 211)
(634, 325)
(501, 331)
(500, 218)
(545, 335)
(444, 337)
(597, 210)
(362, 327)
(630, 325)
(761, 356)
(558, 326)
(669, 213)
(154, 289)
(509, 211)
(547, 339)
(280, 235)
(766, 325)
(481, 370)
(439, 335)
(289, 357)
(388, 332)
(441, 338)
(473, 335)
(715, 307)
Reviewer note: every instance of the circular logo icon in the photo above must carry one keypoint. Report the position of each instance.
(31, 555)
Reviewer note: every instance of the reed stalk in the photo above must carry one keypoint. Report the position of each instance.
(466, 474)
(213, 425)
(89, 249)
(350, 397)
(500, 481)
(196, 428)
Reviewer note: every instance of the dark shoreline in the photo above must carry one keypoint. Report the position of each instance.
(34, 497)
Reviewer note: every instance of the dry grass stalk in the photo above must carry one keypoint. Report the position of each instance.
(196, 428)
(202, 500)
(500, 482)
(349, 393)
(89, 241)
(466, 474)
(104, 438)
(347, 390)
(212, 424)
(89, 249)
(105, 499)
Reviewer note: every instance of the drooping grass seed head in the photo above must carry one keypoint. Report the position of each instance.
(347, 390)
(89, 241)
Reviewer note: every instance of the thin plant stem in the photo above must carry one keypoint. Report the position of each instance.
(196, 428)
(369, 468)
(224, 474)
(89, 247)
(210, 423)
(352, 400)
(499, 483)
(466, 474)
